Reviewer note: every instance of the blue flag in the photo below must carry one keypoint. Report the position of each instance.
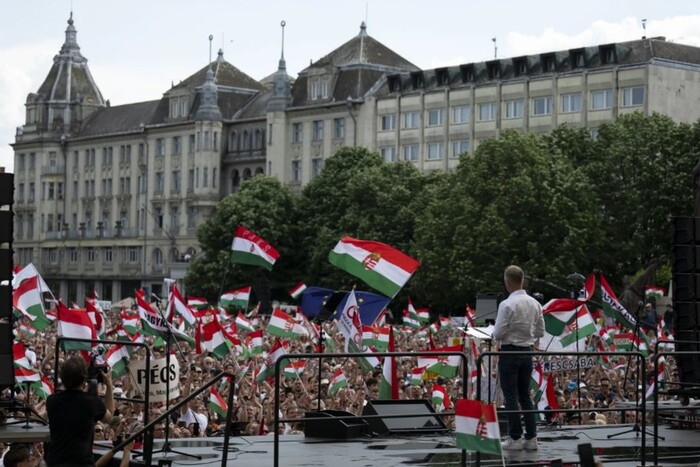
(315, 299)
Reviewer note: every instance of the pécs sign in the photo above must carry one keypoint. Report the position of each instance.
(160, 375)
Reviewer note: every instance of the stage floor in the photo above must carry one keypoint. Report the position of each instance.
(681, 447)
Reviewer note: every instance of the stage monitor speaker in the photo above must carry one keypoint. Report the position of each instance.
(5, 264)
(5, 301)
(7, 372)
(7, 189)
(332, 427)
(686, 230)
(486, 307)
(686, 287)
(686, 258)
(425, 420)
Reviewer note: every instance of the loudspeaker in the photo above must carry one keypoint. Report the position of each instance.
(686, 287)
(686, 258)
(425, 420)
(7, 372)
(7, 189)
(5, 301)
(332, 427)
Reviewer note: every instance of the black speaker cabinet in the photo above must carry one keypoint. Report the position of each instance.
(332, 427)
(425, 420)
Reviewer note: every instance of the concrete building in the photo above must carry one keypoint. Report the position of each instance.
(109, 197)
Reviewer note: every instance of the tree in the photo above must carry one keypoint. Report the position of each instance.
(269, 209)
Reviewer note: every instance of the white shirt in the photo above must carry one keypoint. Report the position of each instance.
(519, 321)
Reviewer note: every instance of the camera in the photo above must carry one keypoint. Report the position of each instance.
(98, 366)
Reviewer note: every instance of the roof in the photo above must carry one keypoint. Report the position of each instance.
(363, 49)
(225, 74)
(120, 118)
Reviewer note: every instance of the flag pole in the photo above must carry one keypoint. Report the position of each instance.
(503, 458)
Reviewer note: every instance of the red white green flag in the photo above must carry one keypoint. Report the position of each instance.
(283, 325)
(389, 384)
(377, 264)
(443, 365)
(43, 388)
(410, 320)
(197, 303)
(445, 323)
(377, 337)
(248, 248)
(117, 357)
(267, 370)
(297, 290)
(130, 322)
(27, 299)
(582, 327)
(441, 399)
(559, 313)
(238, 298)
(254, 342)
(294, 369)
(217, 403)
(75, 324)
(177, 305)
(155, 325)
(337, 382)
(211, 337)
(652, 291)
(417, 376)
(476, 426)
(612, 306)
(470, 316)
(243, 323)
(24, 372)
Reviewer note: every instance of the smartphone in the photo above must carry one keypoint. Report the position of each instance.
(585, 454)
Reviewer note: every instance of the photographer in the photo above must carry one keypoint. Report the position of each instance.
(73, 414)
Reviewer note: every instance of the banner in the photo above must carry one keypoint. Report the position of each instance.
(158, 375)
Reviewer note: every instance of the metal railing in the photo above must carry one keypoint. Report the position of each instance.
(321, 356)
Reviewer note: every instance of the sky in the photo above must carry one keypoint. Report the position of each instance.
(136, 49)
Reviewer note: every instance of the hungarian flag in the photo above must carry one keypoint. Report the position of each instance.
(176, 304)
(337, 382)
(380, 266)
(389, 384)
(612, 306)
(236, 298)
(24, 372)
(75, 324)
(545, 395)
(445, 323)
(443, 365)
(557, 319)
(417, 376)
(660, 376)
(283, 325)
(423, 314)
(27, 299)
(118, 360)
(624, 340)
(368, 361)
(294, 369)
(476, 426)
(212, 337)
(267, 370)
(254, 342)
(410, 320)
(470, 316)
(441, 399)
(155, 325)
(43, 388)
(377, 337)
(197, 303)
(297, 290)
(25, 330)
(243, 323)
(130, 322)
(248, 248)
(96, 315)
(583, 323)
(217, 403)
(651, 291)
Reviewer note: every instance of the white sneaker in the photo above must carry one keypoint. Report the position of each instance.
(511, 444)
(530, 444)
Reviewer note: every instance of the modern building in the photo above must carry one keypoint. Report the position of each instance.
(109, 197)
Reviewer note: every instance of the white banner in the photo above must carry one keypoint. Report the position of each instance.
(158, 376)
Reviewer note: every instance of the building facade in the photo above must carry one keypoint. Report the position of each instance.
(109, 197)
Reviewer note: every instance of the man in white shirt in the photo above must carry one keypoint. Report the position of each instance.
(518, 325)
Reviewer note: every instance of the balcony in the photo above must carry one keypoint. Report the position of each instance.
(53, 170)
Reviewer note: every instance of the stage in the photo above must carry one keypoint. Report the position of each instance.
(681, 447)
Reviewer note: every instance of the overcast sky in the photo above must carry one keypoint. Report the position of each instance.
(135, 49)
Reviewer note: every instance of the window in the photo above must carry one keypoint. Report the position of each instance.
(160, 147)
(20, 163)
(571, 102)
(388, 122)
(316, 167)
(49, 223)
(32, 193)
(324, 88)
(434, 117)
(52, 255)
(633, 96)
(213, 177)
(175, 182)
(318, 130)
(108, 254)
(314, 89)
(542, 106)
(133, 254)
(177, 144)
(434, 151)
(296, 171)
(487, 111)
(460, 147)
(76, 160)
(90, 255)
(191, 145)
(73, 255)
(339, 128)
(52, 190)
(20, 194)
(191, 217)
(160, 183)
(174, 218)
(461, 114)
(595, 134)
(205, 177)
(411, 120)
(601, 99)
(30, 226)
(388, 153)
(174, 107)
(32, 160)
(190, 180)
(158, 216)
(297, 129)
(514, 108)
(410, 152)
(124, 219)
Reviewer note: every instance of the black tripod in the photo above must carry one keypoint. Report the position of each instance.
(167, 447)
(636, 428)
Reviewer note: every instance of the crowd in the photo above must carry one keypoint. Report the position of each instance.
(595, 389)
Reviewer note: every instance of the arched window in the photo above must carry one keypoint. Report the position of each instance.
(235, 180)
(258, 139)
(232, 140)
(246, 141)
(246, 174)
(174, 255)
(259, 171)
